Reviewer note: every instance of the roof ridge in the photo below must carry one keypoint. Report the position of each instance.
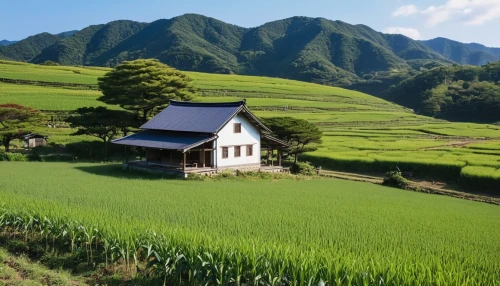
(208, 104)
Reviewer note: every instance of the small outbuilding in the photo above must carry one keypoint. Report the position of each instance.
(34, 140)
(191, 137)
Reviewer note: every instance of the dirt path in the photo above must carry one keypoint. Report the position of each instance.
(430, 187)
(455, 144)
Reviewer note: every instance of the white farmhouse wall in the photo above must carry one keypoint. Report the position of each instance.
(250, 135)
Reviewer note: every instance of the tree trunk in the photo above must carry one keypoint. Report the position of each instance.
(296, 158)
(105, 149)
(6, 142)
(144, 116)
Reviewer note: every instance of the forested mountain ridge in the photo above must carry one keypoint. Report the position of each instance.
(467, 54)
(83, 46)
(27, 49)
(309, 49)
(6, 42)
(460, 93)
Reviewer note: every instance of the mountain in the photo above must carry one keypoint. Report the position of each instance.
(462, 93)
(483, 48)
(83, 46)
(25, 50)
(467, 54)
(6, 42)
(66, 34)
(309, 49)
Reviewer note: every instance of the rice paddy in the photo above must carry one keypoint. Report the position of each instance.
(276, 232)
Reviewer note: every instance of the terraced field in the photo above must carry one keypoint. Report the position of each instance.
(362, 133)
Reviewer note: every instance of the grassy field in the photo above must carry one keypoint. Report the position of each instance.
(362, 132)
(15, 270)
(360, 233)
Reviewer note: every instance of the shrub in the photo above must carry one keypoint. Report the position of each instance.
(49, 63)
(395, 179)
(14, 157)
(196, 177)
(34, 157)
(228, 174)
(303, 168)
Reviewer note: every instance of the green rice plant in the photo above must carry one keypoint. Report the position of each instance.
(48, 98)
(266, 232)
(487, 178)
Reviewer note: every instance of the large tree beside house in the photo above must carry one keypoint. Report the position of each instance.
(300, 134)
(145, 87)
(15, 122)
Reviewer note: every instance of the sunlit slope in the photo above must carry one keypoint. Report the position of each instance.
(362, 133)
(269, 91)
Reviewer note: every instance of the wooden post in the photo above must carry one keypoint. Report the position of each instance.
(147, 159)
(268, 153)
(203, 156)
(184, 163)
(272, 155)
(279, 157)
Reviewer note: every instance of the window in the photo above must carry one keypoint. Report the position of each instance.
(225, 152)
(237, 128)
(237, 151)
(249, 150)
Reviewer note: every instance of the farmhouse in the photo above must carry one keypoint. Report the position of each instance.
(34, 140)
(205, 138)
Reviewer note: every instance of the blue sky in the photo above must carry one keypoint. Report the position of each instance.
(461, 20)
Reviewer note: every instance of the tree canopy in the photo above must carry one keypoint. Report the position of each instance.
(16, 121)
(454, 93)
(144, 87)
(100, 122)
(300, 134)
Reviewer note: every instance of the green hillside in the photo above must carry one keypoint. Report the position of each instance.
(459, 93)
(301, 48)
(82, 47)
(28, 48)
(466, 54)
(362, 133)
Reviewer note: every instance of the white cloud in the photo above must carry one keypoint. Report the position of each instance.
(405, 11)
(409, 32)
(468, 12)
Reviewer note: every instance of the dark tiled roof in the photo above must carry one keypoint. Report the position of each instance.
(265, 137)
(35, 135)
(164, 140)
(198, 117)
